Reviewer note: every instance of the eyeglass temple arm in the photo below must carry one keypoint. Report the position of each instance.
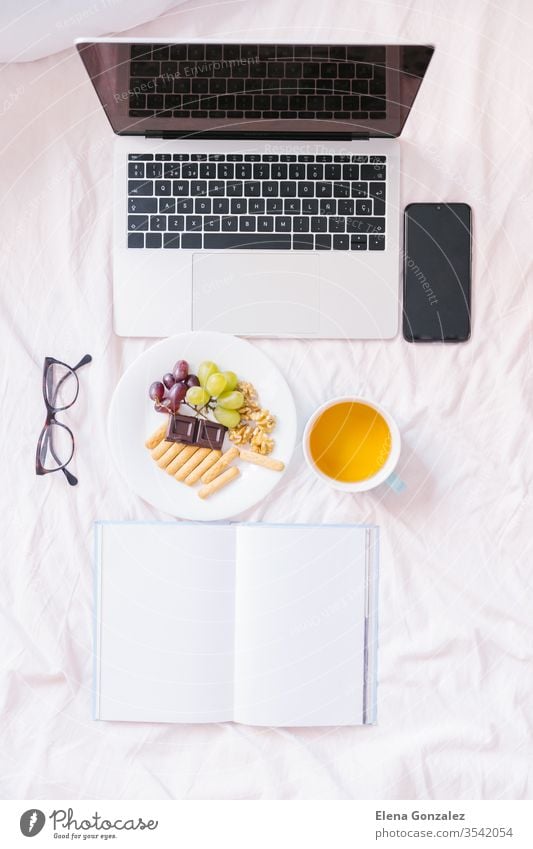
(83, 362)
(70, 477)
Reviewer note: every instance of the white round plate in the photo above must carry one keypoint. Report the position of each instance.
(132, 419)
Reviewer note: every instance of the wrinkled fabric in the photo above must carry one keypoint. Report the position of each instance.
(455, 701)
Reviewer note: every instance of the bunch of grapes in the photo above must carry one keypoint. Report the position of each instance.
(209, 390)
(168, 393)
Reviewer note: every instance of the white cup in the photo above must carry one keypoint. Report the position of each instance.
(384, 475)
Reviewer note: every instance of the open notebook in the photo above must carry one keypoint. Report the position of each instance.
(259, 624)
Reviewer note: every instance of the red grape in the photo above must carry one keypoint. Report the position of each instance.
(192, 380)
(168, 380)
(176, 396)
(181, 370)
(156, 391)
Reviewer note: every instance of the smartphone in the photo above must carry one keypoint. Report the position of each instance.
(437, 261)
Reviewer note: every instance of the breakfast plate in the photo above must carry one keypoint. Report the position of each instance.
(132, 419)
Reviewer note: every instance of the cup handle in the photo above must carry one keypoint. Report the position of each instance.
(396, 483)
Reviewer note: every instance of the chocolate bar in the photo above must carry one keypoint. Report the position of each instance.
(182, 429)
(210, 434)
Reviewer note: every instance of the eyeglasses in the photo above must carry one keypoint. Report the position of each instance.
(55, 447)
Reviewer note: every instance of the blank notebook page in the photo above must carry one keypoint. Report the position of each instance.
(165, 634)
(300, 625)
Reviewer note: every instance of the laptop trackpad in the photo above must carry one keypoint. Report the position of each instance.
(254, 293)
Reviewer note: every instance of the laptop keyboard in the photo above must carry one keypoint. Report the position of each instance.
(256, 201)
(261, 81)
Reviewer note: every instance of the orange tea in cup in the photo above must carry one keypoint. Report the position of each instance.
(350, 441)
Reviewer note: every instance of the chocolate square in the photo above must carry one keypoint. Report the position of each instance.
(210, 434)
(182, 429)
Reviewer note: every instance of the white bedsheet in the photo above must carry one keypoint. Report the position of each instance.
(456, 633)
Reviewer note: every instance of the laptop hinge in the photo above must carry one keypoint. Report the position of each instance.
(228, 136)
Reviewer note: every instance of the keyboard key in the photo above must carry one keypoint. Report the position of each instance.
(230, 223)
(283, 224)
(310, 206)
(171, 240)
(376, 243)
(262, 241)
(256, 206)
(180, 188)
(302, 242)
(336, 224)
(176, 222)
(193, 222)
(306, 190)
(379, 207)
(238, 206)
(345, 207)
(341, 190)
(166, 205)
(198, 187)
(292, 206)
(135, 240)
(323, 242)
(373, 172)
(136, 170)
(363, 207)
(154, 170)
(202, 206)
(274, 206)
(211, 223)
(351, 172)
(192, 240)
(163, 187)
(220, 206)
(297, 172)
(300, 224)
(332, 172)
(265, 224)
(225, 171)
(365, 225)
(208, 170)
(269, 189)
(315, 172)
(158, 222)
(243, 171)
(377, 190)
(247, 224)
(328, 207)
(142, 157)
(140, 187)
(319, 225)
(323, 190)
(137, 222)
(153, 240)
(141, 204)
(184, 206)
(287, 189)
(358, 242)
(341, 242)
(234, 189)
(252, 189)
(359, 190)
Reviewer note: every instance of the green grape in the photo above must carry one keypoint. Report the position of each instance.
(228, 418)
(231, 400)
(231, 380)
(206, 369)
(216, 384)
(196, 396)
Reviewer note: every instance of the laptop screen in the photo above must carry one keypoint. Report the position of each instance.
(260, 90)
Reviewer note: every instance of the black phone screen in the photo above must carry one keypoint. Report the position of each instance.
(437, 272)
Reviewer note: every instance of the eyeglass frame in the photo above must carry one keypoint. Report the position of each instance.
(51, 412)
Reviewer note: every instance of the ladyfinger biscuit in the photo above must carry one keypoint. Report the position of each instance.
(183, 456)
(160, 449)
(157, 436)
(261, 460)
(208, 461)
(220, 465)
(173, 467)
(220, 481)
(170, 453)
(191, 463)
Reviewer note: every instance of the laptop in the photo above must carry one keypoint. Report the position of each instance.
(256, 186)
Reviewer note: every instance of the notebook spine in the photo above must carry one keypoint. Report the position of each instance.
(371, 626)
